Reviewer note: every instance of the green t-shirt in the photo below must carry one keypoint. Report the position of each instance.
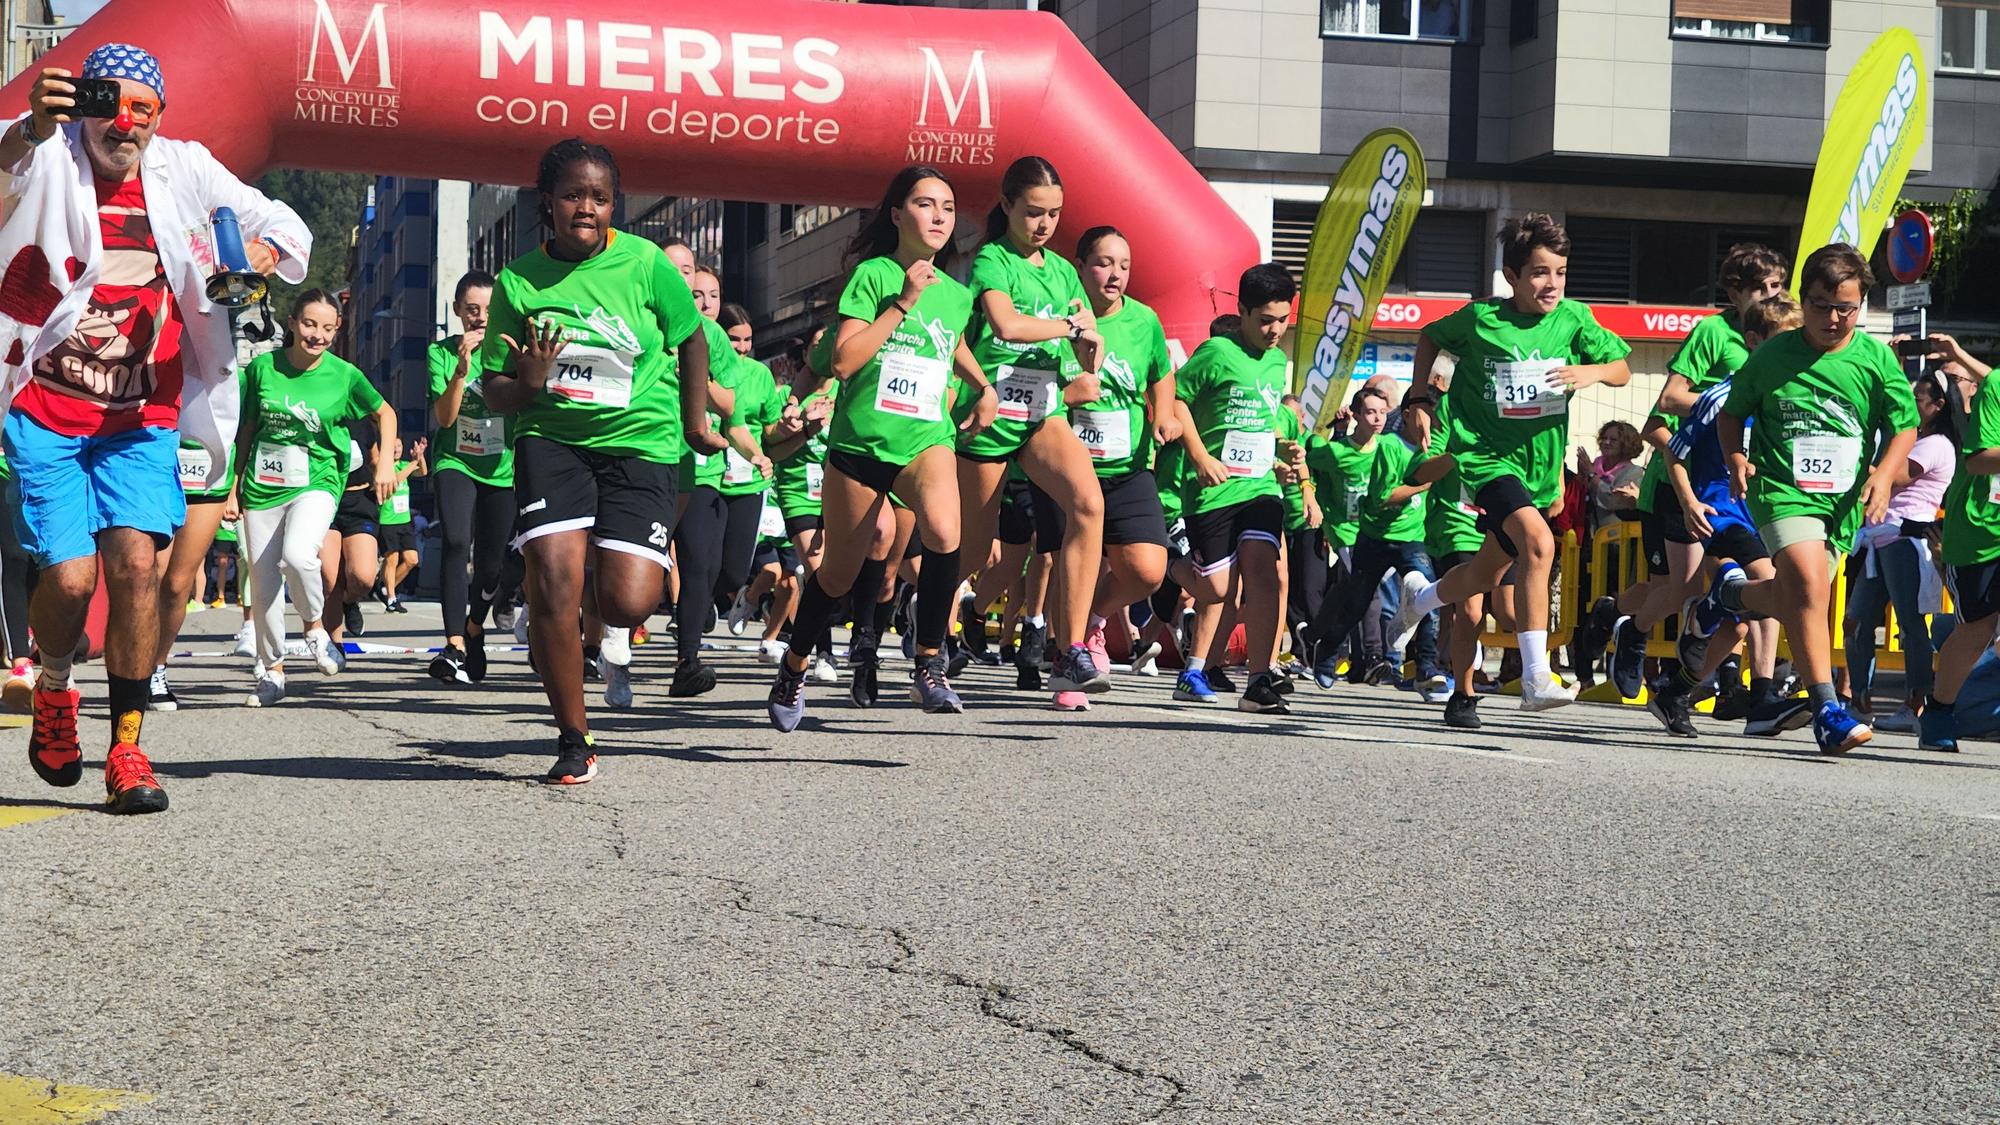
(1028, 378)
(1451, 522)
(616, 386)
(1506, 418)
(1815, 420)
(1235, 399)
(480, 443)
(1114, 427)
(1340, 478)
(1712, 352)
(895, 407)
(195, 461)
(1293, 494)
(397, 509)
(725, 369)
(1169, 473)
(1392, 523)
(300, 440)
(798, 478)
(759, 402)
(1972, 501)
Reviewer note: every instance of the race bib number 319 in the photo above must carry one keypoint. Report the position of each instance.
(1524, 389)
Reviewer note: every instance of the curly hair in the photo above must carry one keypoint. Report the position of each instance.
(1622, 440)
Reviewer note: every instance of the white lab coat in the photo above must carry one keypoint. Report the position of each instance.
(50, 205)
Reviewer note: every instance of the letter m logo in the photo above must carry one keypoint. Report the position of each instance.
(371, 39)
(954, 101)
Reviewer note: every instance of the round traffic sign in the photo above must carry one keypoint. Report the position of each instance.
(1911, 241)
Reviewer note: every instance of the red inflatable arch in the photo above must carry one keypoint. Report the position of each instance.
(779, 100)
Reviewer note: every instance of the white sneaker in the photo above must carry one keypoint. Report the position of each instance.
(770, 652)
(1147, 663)
(739, 615)
(320, 647)
(615, 646)
(270, 689)
(617, 681)
(246, 640)
(503, 619)
(521, 626)
(824, 671)
(1904, 721)
(160, 694)
(1404, 625)
(1546, 695)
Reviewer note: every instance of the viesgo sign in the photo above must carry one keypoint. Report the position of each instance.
(1632, 322)
(786, 101)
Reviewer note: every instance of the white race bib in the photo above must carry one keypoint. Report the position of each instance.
(911, 385)
(771, 521)
(1825, 463)
(593, 376)
(815, 479)
(283, 466)
(1249, 455)
(735, 469)
(481, 437)
(1106, 433)
(400, 503)
(1524, 389)
(1993, 489)
(1025, 392)
(195, 464)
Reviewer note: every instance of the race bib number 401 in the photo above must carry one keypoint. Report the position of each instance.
(1524, 390)
(911, 385)
(593, 376)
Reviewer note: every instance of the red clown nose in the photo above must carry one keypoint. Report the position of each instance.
(123, 122)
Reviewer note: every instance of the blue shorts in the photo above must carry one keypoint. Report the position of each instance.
(71, 488)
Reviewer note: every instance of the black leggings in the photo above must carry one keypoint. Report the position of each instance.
(478, 521)
(714, 545)
(1305, 550)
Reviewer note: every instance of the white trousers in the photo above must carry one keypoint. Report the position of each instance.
(283, 545)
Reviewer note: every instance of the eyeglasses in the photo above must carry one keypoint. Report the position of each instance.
(140, 110)
(1842, 310)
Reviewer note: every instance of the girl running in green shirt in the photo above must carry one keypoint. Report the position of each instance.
(1035, 332)
(594, 347)
(901, 339)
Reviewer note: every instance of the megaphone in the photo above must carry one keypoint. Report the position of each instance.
(234, 284)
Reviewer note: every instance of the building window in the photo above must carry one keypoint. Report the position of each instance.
(798, 220)
(1655, 263)
(1767, 21)
(1969, 36)
(1444, 254)
(1397, 19)
(1524, 21)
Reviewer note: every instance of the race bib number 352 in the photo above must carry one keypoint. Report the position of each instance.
(1825, 463)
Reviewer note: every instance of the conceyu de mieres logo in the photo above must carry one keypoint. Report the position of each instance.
(348, 62)
(954, 122)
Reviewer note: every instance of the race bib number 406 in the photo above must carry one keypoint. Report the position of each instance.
(593, 376)
(1106, 433)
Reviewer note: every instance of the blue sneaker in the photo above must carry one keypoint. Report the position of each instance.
(1937, 729)
(1836, 731)
(1704, 615)
(1193, 687)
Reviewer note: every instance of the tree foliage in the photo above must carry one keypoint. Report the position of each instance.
(330, 203)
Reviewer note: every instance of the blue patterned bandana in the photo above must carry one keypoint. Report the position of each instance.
(122, 60)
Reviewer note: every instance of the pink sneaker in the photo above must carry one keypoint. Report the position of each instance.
(1094, 642)
(1072, 701)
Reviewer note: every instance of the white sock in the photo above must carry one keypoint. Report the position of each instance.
(1096, 621)
(1428, 600)
(55, 672)
(1038, 621)
(1196, 663)
(1534, 655)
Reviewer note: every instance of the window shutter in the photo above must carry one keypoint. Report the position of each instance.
(1740, 11)
(1291, 234)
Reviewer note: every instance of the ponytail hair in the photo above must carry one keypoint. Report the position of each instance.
(315, 297)
(1027, 172)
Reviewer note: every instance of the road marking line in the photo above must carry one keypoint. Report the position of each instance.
(38, 1101)
(12, 816)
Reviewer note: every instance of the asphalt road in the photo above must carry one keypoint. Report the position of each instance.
(362, 907)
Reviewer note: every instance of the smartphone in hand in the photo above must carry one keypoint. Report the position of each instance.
(96, 97)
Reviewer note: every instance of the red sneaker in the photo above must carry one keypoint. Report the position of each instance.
(52, 745)
(129, 785)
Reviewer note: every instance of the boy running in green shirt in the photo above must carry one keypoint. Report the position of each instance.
(1520, 358)
(1344, 468)
(1971, 555)
(1231, 388)
(1820, 399)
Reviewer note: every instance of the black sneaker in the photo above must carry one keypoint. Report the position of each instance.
(691, 677)
(1220, 681)
(1462, 712)
(1628, 658)
(1077, 670)
(786, 704)
(1281, 681)
(353, 620)
(972, 630)
(475, 657)
(1034, 642)
(576, 761)
(396, 606)
(959, 659)
(1734, 706)
(1776, 716)
(1384, 674)
(590, 671)
(1027, 677)
(159, 694)
(864, 687)
(448, 666)
(1674, 712)
(1007, 653)
(1690, 650)
(1261, 696)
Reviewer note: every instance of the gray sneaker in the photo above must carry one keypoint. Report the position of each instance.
(787, 705)
(930, 689)
(1075, 670)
